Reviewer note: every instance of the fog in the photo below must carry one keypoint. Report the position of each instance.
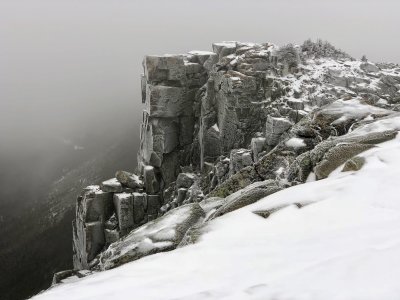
(70, 88)
(69, 69)
(73, 66)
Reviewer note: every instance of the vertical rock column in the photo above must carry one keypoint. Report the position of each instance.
(169, 84)
(93, 208)
(234, 101)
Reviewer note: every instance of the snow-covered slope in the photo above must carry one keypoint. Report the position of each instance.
(344, 244)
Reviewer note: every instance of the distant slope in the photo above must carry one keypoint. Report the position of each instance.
(36, 237)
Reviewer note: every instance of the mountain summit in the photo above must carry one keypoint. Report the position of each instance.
(270, 171)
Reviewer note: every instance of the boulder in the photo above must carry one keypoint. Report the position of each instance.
(59, 276)
(211, 204)
(111, 185)
(159, 235)
(185, 180)
(239, 159)
(129, 180)
(224, 48)
(274, 128)
(369, 67)
(257, 146)
(62, 276)
(341, 115)
(236, 182)
(329, 155)
(247, 196)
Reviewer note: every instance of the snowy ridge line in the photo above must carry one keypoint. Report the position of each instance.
(252, 132)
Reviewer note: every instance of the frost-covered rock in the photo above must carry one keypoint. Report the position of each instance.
(129, 180)
(123, 203)
(160, 235)
(211, 204)
(111, 185)
(248, 195)
(337, 156)
(341, 115)
(236, 182)
(257, 147)
(69, 275)
(346, 243)
(274, 128)
(93, 209)
(185, 180)
(239, 159)
(227, 127)
(151, 183)
(369, 67)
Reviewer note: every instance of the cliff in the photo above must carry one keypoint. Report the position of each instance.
(224, 129)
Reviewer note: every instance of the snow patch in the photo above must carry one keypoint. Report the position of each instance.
(295, 143)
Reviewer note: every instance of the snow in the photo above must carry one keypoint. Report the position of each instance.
(93, 189)
(391, 122)
(353, 109)
(201, 52)
(148, 168)
(344, 244)
(112, 182)
(215, 127)
(311, 177)
(295, 143)
(226, 44)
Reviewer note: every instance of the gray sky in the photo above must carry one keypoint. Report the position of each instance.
(74, 65)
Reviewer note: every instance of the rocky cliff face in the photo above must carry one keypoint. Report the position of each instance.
(223, 129)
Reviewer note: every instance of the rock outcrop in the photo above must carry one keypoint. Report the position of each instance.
(222, 130)
(156, 236)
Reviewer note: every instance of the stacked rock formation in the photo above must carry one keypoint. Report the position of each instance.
(224, 129)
